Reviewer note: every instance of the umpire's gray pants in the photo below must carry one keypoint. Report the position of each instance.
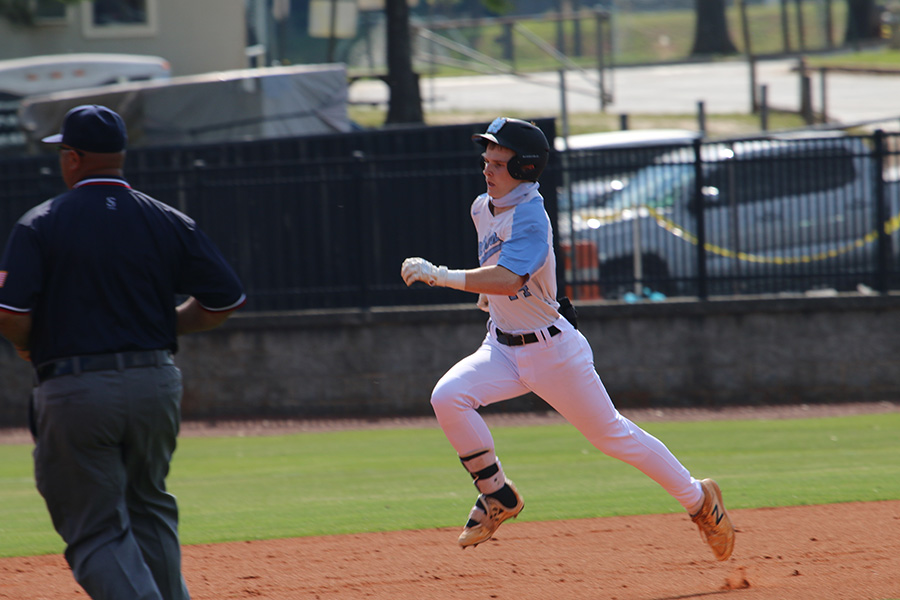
(104, 441)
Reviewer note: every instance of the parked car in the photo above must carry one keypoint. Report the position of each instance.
(627, 138)
(597, 164)
(774, 215)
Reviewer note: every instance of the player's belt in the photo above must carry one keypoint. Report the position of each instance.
(520, 339)
(118, 361)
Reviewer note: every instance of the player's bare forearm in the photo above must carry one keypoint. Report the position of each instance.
(494, 280)
(193, 318)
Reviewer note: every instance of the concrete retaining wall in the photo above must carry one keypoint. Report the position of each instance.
(386, 361)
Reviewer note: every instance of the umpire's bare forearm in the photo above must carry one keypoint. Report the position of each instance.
(17, 329)
(193, 318)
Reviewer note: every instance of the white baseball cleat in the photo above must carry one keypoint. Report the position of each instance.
(489, 518)
(713, 522)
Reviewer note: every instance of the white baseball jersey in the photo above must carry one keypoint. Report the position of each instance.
(521, 240)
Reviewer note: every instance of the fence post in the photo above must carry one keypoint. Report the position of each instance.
(509, 50)
(764, 107)
(754, 105)
(883, 244)
(745, 30)
(563, 107)
(599, 18)
(577, 50)
(700, 204)
(785, 28)
(805, 92)
(560, 30)
(701, 118)
(363, 202)
(801, 29)
(806, 99)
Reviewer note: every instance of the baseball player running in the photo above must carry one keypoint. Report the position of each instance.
(530, 347)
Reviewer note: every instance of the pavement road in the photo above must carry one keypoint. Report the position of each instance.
(723, 87)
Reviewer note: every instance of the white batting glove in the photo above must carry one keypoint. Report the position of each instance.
(419, 269)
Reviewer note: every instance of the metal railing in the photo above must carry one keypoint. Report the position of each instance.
(325, 222)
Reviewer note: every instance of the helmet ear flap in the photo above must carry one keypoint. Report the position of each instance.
(513, 167)
(527, 168)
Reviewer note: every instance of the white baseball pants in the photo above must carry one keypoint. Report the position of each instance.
(559, 369)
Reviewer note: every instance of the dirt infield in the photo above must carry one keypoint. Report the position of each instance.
(841, 551)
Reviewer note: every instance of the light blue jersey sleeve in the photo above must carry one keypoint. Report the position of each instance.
(529, 242)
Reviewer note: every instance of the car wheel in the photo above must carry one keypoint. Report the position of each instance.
(617, 277)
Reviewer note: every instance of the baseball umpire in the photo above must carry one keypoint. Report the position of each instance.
(530, 347)
(88, 288)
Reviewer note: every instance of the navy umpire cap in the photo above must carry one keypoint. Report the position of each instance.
(92, 128)
(525, 139)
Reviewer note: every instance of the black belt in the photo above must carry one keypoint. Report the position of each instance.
(117, 361)
(520, 339)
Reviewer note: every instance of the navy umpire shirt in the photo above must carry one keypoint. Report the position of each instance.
(99, 268)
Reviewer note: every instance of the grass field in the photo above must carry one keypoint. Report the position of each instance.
(242, 488)
(632, 37)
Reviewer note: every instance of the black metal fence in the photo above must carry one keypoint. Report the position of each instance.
(325, 222)
(313, 222)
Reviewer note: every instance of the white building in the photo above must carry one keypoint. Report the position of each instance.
(195, 36)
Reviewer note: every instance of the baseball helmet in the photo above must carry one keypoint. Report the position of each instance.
(525, 139)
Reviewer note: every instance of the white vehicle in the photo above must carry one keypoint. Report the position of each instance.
(24, 77)
(596, 164)
(777, 215)
(628, 138)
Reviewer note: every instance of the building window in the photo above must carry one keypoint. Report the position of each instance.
(49, 11)
(119, 18)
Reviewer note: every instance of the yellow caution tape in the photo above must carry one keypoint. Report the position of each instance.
(890, 226)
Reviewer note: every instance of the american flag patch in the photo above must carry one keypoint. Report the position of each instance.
(2, 278)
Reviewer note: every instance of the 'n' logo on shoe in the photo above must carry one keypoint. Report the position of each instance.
(717, 514)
